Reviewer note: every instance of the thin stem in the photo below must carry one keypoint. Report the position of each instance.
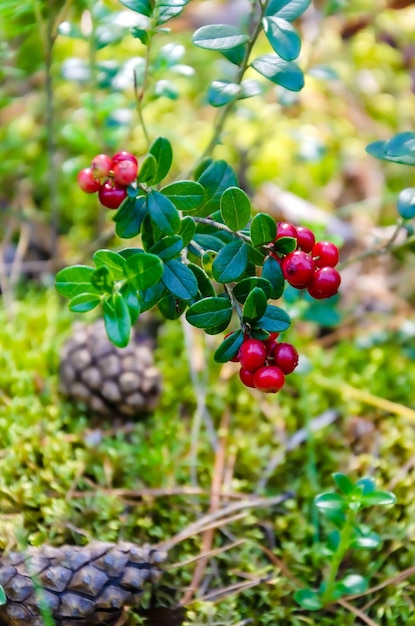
(219, 226)
(140, 92)
(338, 556)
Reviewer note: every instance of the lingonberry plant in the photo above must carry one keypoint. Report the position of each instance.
(203, 251)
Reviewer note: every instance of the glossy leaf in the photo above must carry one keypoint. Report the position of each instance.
(144, 7)
(168, 9)
(129, 217)
(235, 208)
(141, 34)
(275, 320)
(400, 145)
(263, 229)
(117, 320)
(308, 599)
(406, 203)
(244, 287)
(235, 55)
(219, 37)
(287, 9)
(255, 305)
(283, 37)
(84, 302)
(284, 73)
(231, 262)
(179, 280)
(148, 170)
(167, 247)
(343, 483)
(163, 213)
(171, 307)
(131, 298)
(205, 286)
(113, 261)
(144, 270)
(285, 245)
(209, 312)
(222, 92)
(353, 583)
(186, 195)
(377, 149)
(3, 597)
(187, 230)
(72, 281)
(148, 298)
(162, 151)
(208, 242)
(229, 347)
(370, 541)
(271, 270)
(378, 498)
(102, 280)
(331, 501)
(367, 484)
(215, 178)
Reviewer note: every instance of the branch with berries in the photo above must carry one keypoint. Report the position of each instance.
(200, 251)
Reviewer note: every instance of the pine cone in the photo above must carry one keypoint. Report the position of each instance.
(78, 585)
(109, 380)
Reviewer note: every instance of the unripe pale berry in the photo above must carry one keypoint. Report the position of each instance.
(298, 269)
(325, 254)
(305, 239)
(111, 195)
(252, 354)
(269, 379)
(87, 182)
(125, 173)
(101, 166)
(285, 357)
(325, 283)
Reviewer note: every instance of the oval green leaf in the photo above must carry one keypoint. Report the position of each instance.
(275, 320)
(229, 347)
(144, 270)
(209, 312)
(287, 9)
(255, 305)
(179, 280)
(163, 213)
(222, 92)
(283, 37)
(72, 281)
(231, 262)
(162, 151)
(235, 208)
(117, 320)
(219, 37)
(271, 270)
(186, 195)
(263, 229)
(406, 203)
(113, 261)
(284, 73)
(84, 302)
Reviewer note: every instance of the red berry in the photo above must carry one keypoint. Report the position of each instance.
(269, 379)
(101, 165)
(285, 229)
(125, 172)
(325, 283)
(87, 182)
(111, 195)
(252, 354)
(325, 254)
(285, 357)
(298, 269)
(246, 377)
(305, 239)
(122, 156)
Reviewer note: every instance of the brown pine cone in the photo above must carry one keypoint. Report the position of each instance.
(109, 380)
(79, 586)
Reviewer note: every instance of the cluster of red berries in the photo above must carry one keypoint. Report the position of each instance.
(312, 264)
(264, 364)
(109, 177)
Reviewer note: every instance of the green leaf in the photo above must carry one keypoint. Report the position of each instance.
(235, 208)
(367, 484)
(255, 305)
(215, 178)
(229, 347)
(370, 541)
(244, 287)
(330, 501)
(209, 242)
(209, 312)
(285, 245)
(141, 34)
(377, 149)
(117, 320)
(378, 498)
(162, 151)
(250, 88)
(275, 320)
(231, 262)
(129, 217)
(167, 247)
(308, 599)
(222, 92)
(287, 9)
(215, 330)
(186, 195)
(163, 213)
(167, 9)
(406, 203)
(219, 37)
(72, 281)
(353, 583)
(400, 145)
(102, 280)
(187, 230)
(205, 287)
(171, 308)
(131, 298)
(343, 483)
(179, 280)
(263, 229)
(271, 271)
(235, 55)
(148, 170)
(113, 261)
(3, 598)
(283, 37)
(148, 298)
(284, 73)
(144, 7)
(144, 270)
(84, 302)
